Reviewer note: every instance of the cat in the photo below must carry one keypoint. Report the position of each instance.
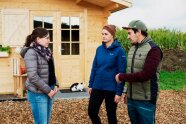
(77, 87)
(80, 87)
(73, 87)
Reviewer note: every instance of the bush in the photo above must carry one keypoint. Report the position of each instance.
(121, 35)
(5, 49)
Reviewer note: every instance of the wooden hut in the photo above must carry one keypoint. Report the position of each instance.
(74, 27)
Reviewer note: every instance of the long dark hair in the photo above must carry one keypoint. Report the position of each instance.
(37, 32)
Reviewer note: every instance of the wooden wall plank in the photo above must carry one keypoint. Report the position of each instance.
(6, 82)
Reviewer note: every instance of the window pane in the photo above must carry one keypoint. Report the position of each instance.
(74, 22)
(75, 35)
(65, 22)
(65, 49)
(65, 35)
(51, 35)
(51, 46)
(37, 21)
(75, 48)
(48, 22)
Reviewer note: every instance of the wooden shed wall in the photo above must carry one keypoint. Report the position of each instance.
(95, 18)
(6, 78)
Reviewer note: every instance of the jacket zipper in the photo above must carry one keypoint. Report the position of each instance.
(132, 69)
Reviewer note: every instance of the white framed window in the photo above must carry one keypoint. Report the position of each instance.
(70, 35)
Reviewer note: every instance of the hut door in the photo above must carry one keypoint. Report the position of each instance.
(70, 45)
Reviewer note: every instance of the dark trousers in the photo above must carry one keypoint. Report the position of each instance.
(96, 99)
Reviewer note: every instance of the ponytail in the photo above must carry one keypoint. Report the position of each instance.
(28, 40)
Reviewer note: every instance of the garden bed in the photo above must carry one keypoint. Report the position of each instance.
(174, 59)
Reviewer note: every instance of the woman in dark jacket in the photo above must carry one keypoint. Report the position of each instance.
(109, 60)
(41, 80)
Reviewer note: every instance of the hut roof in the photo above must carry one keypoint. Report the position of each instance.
(110, 5)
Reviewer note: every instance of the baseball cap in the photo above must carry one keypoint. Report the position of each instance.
(137, 24)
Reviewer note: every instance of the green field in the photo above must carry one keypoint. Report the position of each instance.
(164, 38)
(172, 80)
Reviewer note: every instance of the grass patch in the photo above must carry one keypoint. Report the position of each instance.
(172, 80)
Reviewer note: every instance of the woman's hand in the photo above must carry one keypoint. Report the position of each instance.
(89, 90)
(51, 94)
(124, 98)
(117, 98)
(56, 89)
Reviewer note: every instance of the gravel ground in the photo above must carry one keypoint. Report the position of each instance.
(171, 109)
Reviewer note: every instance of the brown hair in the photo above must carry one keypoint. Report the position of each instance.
(144, 33)
(37, 32)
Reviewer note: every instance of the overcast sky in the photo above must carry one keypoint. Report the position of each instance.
(154, 13)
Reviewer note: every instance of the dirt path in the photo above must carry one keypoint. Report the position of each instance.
(171, 109)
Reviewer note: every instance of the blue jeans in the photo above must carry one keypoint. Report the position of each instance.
(41, 106)
(141, 112)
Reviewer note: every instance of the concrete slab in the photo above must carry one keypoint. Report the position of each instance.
(72, 95)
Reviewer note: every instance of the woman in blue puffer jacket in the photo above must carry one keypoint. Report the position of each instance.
(109, 60)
